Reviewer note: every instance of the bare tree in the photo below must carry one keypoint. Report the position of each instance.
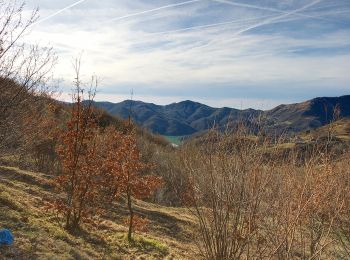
(24, 69)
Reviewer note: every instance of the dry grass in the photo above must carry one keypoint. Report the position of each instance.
(39, 236)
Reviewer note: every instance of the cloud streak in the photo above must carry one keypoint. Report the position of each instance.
(263, 23)
(271, 20)
(236, 4)
(57, 12)
(152, 10)
(234, 21)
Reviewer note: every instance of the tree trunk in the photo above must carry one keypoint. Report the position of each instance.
(131, 212)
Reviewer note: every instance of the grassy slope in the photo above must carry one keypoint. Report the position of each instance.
(39, 236)
(340, 129)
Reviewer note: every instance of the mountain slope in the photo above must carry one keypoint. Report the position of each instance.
(339, 129)
(188, 117)
(307, 115)
(183, 118)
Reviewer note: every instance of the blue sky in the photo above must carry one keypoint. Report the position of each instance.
(245, 53)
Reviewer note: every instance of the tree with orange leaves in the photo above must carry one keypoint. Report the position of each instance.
(80, 179)
(92, 168)
(129, 174)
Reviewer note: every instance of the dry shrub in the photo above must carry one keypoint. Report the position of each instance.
(342, 228)
(251, 205)
(227, 187)
(165, 161)
(309, 200)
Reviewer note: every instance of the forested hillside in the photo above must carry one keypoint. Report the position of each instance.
(188, 117)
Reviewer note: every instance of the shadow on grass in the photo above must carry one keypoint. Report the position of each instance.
(17, 175)
(147, 245)
(160, 222)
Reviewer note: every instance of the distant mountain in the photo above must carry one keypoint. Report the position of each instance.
(307, 115)
(188, 117)
(183, 118)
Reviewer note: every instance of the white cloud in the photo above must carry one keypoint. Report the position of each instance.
(229, 45)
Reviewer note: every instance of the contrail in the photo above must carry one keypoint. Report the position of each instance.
(152, 10)
(268, 21)
(265, 22)
(57, 13)
(265, 9)
(211, 25)
(242, 20)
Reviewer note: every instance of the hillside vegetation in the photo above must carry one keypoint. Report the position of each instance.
(302, 204)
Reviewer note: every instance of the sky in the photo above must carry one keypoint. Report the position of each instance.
(244, 53)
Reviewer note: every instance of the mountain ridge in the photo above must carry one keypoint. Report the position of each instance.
(189, 117)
